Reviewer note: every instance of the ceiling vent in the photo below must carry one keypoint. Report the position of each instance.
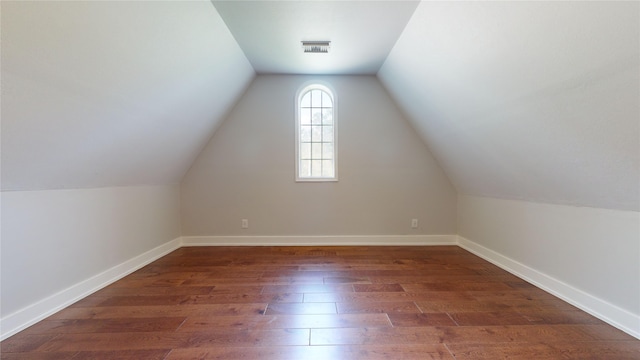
(316, 46)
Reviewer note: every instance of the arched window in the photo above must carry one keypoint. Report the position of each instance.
(316, 134)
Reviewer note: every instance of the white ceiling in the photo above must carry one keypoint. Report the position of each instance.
(361, 33)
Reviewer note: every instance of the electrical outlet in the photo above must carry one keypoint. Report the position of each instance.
(245, 223)
(414, 223)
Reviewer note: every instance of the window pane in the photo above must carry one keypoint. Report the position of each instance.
(316, 133)
(305, 133)
(327, 151)
(305, 168)
(316, 116)
(326, 100)
(327, 133)
(327, 168)
(305, 151)
(316, 168)
(305, 116)
(327, 116)
(306, 100)
(316, 96)
(316, 151)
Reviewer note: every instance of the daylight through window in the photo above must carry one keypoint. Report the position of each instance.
(316, 135)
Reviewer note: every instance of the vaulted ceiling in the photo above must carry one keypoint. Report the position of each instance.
(521, 100)
(112, 93)
(526, 100)
(362, 33)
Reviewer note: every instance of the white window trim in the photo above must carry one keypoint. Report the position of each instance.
(303, 89)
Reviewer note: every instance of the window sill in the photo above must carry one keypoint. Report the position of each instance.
(316, 180)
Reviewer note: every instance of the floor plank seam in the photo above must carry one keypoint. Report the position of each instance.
(389, 320)
(452, 319)
(449, 350)
(182, 323)
(167, 355)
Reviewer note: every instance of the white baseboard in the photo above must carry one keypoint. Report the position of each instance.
(603, 310)
(340, 240)
(31, 314)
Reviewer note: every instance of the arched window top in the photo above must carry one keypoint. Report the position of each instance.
(316, 140)
(317, 96)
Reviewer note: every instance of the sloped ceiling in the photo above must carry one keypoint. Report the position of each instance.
(526, 100)
(111, 93)
(522, 100)
(362, 33)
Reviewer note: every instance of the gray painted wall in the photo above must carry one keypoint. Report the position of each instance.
(386, 174)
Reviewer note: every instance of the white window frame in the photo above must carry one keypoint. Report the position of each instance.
(316, 85)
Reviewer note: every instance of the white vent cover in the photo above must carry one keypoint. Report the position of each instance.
(316, 46)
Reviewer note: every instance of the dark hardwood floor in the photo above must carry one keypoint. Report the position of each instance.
(321, 303)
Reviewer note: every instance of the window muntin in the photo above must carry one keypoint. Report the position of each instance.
(316, 140)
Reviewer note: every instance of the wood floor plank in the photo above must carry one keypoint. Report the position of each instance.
(622, 350)
(547, 316)
(160, 311)
(163, 340)
(549, 351)
(521, 294)
(452, 334)
(353, 352)
(459, 286)
(489, 318)
(143, 300)
(256, 280)
(241, 337)
(527, 334)
(40, 356)
(308, 288)
(227, 298)
(286, 322)
(504, 351)
(394, 302)
(440, 305)
(530, 306)
(347, 280)
(115, 341)
(301, 308)
(377, 336)
(435, 276)
(600, 332)
(79, 326)
(377, 287)
(240, 289)
(412, 320)
(122, 355)
(156, 291)
(398, 296)
(239, 352)
(25, 342)
(241, 298)
(361, 307)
